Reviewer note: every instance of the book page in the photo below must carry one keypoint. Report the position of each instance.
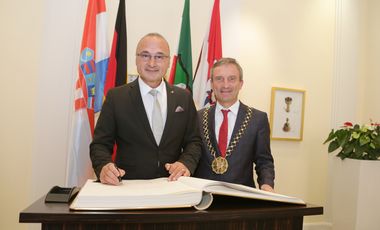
(253, 194)
(159, 186)
(136, 194)
(238, 190)
(198, 183)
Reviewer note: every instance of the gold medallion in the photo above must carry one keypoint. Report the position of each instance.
(219, 165)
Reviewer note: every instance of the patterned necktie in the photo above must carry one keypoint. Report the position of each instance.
(157, 121)
(223, 132)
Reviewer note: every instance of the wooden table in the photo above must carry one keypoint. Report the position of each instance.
(224, 213)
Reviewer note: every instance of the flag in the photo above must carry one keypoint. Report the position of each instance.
(181, 73)
(88, 92)
(117, 68)
(211, 52)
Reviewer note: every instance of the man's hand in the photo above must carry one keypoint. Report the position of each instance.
(176, 170)
(267, 187)
(110, 174)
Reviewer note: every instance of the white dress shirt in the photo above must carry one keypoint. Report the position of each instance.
(148, 99)
(234, 109)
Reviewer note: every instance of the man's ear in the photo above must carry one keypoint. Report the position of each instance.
(241, 83)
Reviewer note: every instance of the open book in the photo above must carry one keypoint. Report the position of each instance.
(161, 193)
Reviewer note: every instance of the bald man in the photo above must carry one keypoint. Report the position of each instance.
(129, 118)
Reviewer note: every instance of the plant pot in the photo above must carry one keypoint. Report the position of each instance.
(354, 198)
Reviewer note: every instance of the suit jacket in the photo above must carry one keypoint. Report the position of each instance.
(123, 121)
(253, 148)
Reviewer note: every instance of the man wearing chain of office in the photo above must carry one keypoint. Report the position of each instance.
(235, 136)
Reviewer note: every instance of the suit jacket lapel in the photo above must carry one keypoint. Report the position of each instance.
(242, 116)
(211, 128)
(239, 119)
(135, 95)
(171, 103)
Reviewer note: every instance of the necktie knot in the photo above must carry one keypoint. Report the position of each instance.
(153, 92)
(225, 113)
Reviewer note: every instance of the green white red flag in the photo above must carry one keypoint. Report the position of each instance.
(181, 73)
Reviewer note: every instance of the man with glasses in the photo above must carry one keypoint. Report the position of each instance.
(235, 136)
(153, 124)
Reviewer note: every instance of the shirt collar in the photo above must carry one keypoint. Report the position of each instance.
(145, 89)
(233, 108)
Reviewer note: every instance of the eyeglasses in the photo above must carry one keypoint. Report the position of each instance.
(147, 57)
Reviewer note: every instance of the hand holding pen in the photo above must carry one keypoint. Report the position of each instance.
(111, 174)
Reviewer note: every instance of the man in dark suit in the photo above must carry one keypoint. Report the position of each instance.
(153, 124)
(235, 136)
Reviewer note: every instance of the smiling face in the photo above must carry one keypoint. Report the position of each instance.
(152, 59)
(226, 83)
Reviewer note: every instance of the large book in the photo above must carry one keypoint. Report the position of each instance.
(161, 193)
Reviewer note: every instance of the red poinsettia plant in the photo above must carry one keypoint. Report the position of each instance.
(356, 141)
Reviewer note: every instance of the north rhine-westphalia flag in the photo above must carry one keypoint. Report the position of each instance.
(117, 68)
(211, 52)
(89, 89)
(181, 73)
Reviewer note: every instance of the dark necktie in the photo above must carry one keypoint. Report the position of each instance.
(223, 132)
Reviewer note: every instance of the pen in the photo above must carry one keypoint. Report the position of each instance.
(119, 177)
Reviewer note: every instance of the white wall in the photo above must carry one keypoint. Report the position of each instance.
(370, 65)
(355, 87)
(290, 44)
(21, 32)
(279, 43)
